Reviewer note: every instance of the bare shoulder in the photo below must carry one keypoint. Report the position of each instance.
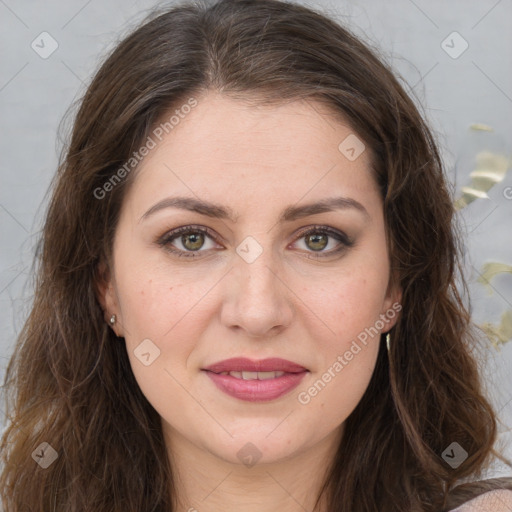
(497, 500)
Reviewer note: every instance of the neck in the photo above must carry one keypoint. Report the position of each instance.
(204, 482)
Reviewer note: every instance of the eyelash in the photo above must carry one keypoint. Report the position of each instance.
(165, 240)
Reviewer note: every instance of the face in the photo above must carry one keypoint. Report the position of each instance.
(275, 253)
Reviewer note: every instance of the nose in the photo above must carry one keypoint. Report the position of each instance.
(257, 298)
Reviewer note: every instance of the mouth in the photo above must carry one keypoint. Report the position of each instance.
(256, 381)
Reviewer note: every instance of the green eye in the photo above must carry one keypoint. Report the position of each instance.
(193, 242)
(317, 241)
(319, 238)
(187, 240)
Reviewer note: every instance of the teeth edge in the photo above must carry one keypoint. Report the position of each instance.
(254, 375)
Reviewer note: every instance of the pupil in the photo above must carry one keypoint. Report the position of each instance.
(318, 239)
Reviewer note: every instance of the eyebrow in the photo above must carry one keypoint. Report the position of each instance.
(290, 213)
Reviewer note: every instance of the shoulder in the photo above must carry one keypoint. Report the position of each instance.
(497, 500)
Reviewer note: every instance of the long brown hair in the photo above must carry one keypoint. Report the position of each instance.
(70, 381)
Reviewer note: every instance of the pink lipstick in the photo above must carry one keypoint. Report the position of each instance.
(256, 381)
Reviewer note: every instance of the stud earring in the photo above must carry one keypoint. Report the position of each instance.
(112, 319)
(388, 340)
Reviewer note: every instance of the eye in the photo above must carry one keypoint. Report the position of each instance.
(319, 238)
(186, 240)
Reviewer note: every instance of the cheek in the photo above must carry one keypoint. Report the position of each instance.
(154, 297)
(350, 301)
(350, 305)
(163, 313)
(351, 308)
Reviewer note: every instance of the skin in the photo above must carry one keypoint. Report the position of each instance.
(290, 302)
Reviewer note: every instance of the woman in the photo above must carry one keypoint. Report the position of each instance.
(246, 292)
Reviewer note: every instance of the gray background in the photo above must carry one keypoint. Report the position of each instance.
(475, 87)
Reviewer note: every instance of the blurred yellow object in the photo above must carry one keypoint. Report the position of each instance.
(490, 169)
(482, 127)
(490, 270)
(499, 334)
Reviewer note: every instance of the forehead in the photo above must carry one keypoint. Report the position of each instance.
(230, 148)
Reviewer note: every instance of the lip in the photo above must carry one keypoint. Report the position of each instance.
(243, 364)
(256, 390)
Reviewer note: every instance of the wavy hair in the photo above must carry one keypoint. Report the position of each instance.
(69, 380)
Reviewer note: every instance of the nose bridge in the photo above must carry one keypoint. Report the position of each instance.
(255, 269)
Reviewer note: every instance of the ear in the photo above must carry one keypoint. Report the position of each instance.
(107, 296)
(393, 302)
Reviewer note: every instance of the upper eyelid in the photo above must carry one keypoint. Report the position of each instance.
(175, 233)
